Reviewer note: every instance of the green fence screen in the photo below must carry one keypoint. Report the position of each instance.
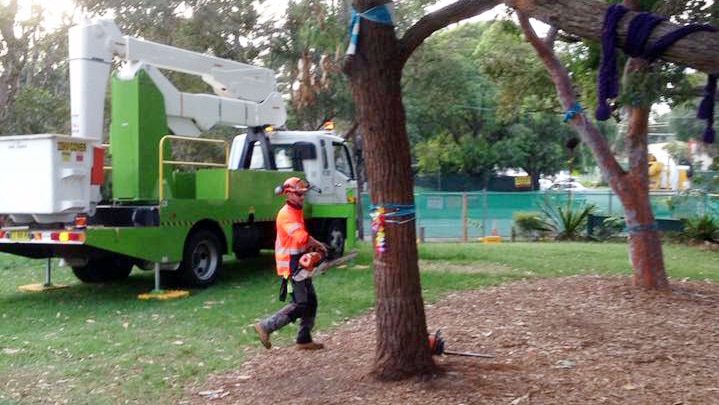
(442, 215)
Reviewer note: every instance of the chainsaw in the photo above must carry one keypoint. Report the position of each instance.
(315, 263)
(436, 344)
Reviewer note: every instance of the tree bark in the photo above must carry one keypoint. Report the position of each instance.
(402, 347)
(645, 246)
(631, 187)
(585, 19)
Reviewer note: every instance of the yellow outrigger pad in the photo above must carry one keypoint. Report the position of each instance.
(40, 287)
(491, 239)
(164, 295)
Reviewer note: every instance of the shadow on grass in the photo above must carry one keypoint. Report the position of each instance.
(250, 272)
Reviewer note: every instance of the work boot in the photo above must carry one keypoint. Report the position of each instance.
(263, 335)
(310, 346)
(275, 322)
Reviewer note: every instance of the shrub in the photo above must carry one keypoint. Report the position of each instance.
(566, 221)
(702, 228)
(531, 225)
(610, 228)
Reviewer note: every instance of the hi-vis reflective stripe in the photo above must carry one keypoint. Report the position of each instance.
(283, 263)
(294, 228)
(288, 251)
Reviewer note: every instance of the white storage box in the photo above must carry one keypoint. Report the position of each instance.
(46, 177)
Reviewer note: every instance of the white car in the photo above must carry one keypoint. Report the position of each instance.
(567, 185)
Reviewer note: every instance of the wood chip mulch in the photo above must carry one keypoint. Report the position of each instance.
(575, 340)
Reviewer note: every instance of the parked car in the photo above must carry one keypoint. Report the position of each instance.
(568, 185)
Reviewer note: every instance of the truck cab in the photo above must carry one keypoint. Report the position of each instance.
(323, 156)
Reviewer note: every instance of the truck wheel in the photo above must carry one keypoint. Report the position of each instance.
(104, 269)
(336, 238)
(201, 260)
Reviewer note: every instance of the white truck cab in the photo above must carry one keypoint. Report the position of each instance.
(323, 156)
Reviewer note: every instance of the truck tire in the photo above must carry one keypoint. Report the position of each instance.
(336, 235)
(104, 269)
(202, 260)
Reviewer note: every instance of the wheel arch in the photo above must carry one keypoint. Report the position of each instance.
(211, 226)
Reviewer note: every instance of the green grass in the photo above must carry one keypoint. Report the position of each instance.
(98, 344)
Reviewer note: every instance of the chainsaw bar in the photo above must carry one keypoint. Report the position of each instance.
(323, 267)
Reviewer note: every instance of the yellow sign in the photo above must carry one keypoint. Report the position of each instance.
(522, 182)
(19, 235)
(71, 147)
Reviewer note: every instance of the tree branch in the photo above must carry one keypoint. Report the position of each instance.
(587, 131)
(439, 19)
(585, 18)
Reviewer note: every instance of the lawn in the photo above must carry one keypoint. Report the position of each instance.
(98, 344)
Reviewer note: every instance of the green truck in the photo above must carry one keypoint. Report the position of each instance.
(104, 210)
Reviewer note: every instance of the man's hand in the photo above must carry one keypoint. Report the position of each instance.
(315, 244)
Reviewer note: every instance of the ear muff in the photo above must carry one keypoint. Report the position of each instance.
(279, 190)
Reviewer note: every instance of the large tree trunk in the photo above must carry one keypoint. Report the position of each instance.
(645, 247)
(402, 343)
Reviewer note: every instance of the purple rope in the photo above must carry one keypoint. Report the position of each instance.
(608, 83)
(706, 109)
(640, 29)
(669, 39)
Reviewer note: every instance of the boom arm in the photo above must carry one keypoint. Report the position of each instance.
(245, 95)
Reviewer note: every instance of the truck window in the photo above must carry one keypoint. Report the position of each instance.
(283, 157)
(257, 161)
(343, 164)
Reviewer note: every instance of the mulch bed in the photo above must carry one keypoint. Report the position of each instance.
(572, 340)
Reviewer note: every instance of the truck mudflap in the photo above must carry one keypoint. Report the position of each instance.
(43, 237)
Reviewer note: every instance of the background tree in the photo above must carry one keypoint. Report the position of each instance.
(537, 145)
(451, 106)
(33, 75)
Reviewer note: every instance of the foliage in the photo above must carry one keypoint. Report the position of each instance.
(38, 111)
(531, 225)
(536, 144)
(306, 51)
(566, 221)
(610, 228)
(704, 228)
(522, 81)
(451, 106)
(33, 78)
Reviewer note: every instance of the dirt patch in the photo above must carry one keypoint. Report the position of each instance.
(572, 340)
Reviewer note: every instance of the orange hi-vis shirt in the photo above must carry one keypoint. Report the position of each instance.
(291, 239)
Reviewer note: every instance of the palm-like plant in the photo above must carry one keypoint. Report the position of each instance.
(566, 220)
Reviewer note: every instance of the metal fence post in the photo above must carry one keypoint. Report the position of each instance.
(484, 212)
(465, 219)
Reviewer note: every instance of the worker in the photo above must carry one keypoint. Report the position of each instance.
(655, 172)
(292, 241)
